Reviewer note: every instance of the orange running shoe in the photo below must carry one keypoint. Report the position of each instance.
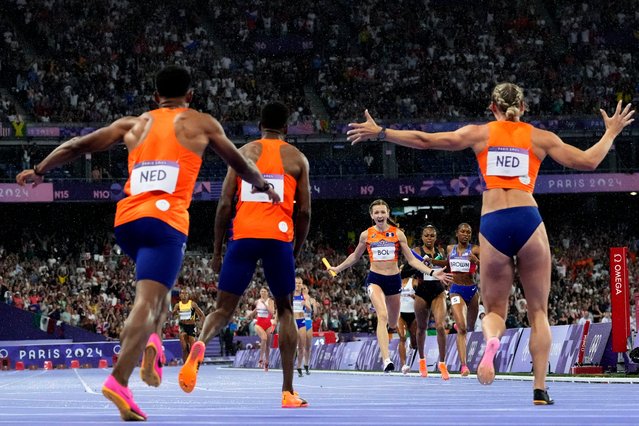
(423, 368)
(293, 400)
(188, 373)
(443, 370)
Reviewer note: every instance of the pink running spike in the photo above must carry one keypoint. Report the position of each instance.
(152, 361)
(122, 397)
(486, 370)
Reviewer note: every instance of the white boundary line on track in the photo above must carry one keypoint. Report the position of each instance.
(196, 387)
(525, 378)
(87, 389)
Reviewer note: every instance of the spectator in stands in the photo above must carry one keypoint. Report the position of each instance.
(18, 301)
(4, 291)
(585, 316)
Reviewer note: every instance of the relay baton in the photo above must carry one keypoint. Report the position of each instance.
(328, 265)
(420, 258)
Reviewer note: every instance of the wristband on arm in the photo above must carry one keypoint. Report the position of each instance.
(265, 188)
(36, 172)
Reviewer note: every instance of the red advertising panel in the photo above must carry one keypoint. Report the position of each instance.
(582, 346)
(619, 298)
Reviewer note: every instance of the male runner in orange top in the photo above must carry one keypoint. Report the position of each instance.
(261, 230)
(151, 224)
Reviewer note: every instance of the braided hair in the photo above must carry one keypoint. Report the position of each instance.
(509, 98)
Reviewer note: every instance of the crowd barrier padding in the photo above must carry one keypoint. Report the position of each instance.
(362, 354)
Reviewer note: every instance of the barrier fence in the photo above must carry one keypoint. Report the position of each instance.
(64, 191)
(513, 356)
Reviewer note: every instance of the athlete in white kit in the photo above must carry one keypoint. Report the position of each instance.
(406, 324)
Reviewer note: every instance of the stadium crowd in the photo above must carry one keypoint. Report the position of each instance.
(67, 63)
(64, 62)
(83, 280)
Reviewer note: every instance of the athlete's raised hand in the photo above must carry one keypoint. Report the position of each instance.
(619, 119)
(29, 176)
(363, 131)
(272, 195)
(442, 276)
(270, 192)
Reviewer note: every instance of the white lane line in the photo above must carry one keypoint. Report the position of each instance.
(87, 389)
(525, 378)
(196, 387)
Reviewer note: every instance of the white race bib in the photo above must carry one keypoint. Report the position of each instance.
(428, 277)
(459, 265)
(261, 197)
(507, 161)
(383, 251)
(154, 176)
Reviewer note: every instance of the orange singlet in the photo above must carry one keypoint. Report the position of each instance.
(162, 175)
(508, 160)
(382, 246)
(257, 216)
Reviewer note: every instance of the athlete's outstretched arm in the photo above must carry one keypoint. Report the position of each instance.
(223, 216)
(302, 206)
(354, 256)
(231, 155)
(575, 158)
(98, 140)
(474, 254)
(458, 140)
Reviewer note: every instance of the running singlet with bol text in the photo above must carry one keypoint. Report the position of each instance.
(382, 246)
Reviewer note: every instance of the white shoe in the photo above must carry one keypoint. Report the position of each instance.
(388, 365)
(405, 369)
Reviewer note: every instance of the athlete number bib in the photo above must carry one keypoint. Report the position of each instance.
(459, 265)
(154, 176)
(507, 161)
(383, 251)
(261, 197)
(428, 277)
